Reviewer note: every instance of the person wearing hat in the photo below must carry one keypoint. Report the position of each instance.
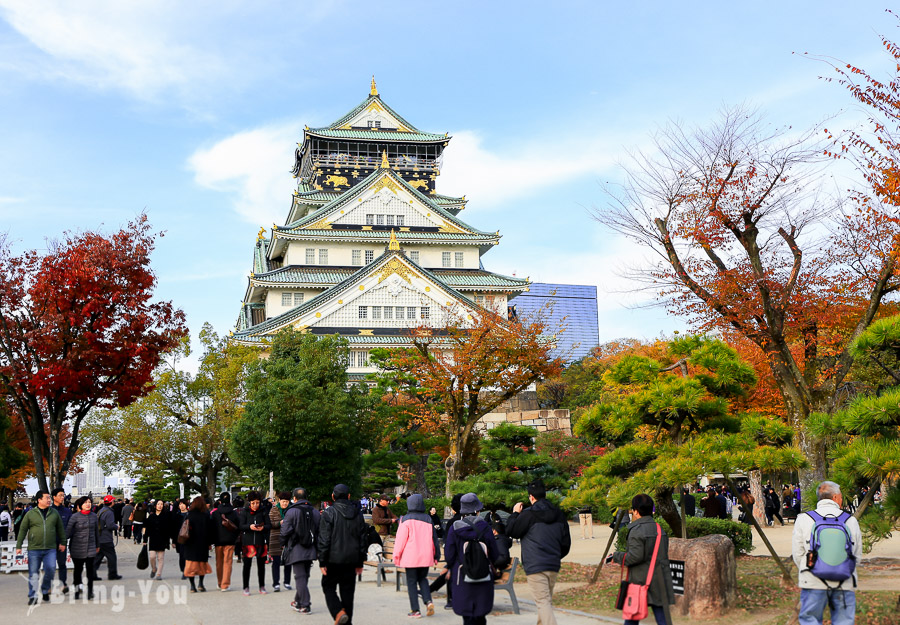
(382, 517)
(472, 600)
(107, 521)
(544, 533)
(341, 549)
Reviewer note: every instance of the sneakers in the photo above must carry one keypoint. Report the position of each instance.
(246, 592)
(65, 589)
(429, 609)
(276, 588)
(32, 600)
(449, 605)
(415, 614)
(341, 618)
(45, 597)
(304, 611)
(300, 610)
(263, 591)
(287, 586)
(223, 588)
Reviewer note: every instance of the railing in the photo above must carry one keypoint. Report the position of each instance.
(333, 159)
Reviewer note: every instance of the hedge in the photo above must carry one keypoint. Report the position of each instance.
(739, 533)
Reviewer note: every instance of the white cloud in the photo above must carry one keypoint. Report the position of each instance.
(496, 177)
(140, 48)
(253, 166)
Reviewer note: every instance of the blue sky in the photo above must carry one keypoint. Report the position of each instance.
(191, 111)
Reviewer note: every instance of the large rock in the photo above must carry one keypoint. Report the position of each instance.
(710, 575)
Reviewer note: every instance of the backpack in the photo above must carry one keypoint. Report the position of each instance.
(305, 534)
(830, 555)
(476, 567)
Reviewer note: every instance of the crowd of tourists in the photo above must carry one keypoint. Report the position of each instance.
(289, 534)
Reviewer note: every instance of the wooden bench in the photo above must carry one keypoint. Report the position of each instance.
(504, 582)
(383, 560)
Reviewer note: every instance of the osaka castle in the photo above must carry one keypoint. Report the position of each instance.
(369, 248)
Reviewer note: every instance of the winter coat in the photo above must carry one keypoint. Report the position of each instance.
(65, 513)
(417, 542)
(342, 535)
(690, 505)
(251, 537)
(107, 525)
(196, 549)
(382, 519)
(544, 533)
(43, 532)
(803, 528)
(438, 525)
(469, 599)
(275, 517)
(293, 552)
(504, 544)
(158, 531)
(140, 515)
(83, 532)
(641, 539)
(126, 514)
(222, 536)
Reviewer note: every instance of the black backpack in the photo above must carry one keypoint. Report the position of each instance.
(305, 534)
(476, 567)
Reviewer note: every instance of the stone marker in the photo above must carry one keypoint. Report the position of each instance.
(710, 575)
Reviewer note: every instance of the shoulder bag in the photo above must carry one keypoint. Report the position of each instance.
(632, 598)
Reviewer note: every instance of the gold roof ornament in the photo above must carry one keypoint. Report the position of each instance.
(394, 244)
(262, 234)
(373, 90)
(384, 161)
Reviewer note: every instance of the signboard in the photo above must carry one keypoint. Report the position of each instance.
(677, 569)
(10, 562)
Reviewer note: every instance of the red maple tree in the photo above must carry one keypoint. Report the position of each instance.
(78, 331)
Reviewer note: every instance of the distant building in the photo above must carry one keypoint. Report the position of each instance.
(91, 479)
(576, 303)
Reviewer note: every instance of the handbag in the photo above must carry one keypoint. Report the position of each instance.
(634, 603)
(143, 560)
(184, 533)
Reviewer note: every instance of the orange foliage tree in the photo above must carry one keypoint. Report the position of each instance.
(454, 375)
(748, 244)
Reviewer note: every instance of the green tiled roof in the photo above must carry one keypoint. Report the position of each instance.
(308, 193)
(376, 135)
(305, 275)
(260, 263)
(385, 235)
(362, 105)
(442, 200)
(327, 276)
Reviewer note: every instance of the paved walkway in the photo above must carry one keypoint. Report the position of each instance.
(168, 601)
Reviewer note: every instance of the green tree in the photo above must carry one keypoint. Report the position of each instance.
(155, 483)
(301, 419)
(509, 463)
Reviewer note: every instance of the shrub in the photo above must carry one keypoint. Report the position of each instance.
(739, 533)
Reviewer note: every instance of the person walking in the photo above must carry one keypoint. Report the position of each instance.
(225, 535)
(299, 535)
(417, 549)
(642, 538)
(689, 502)
(255, 527)
(117, 508)
(43, 527)
(276, 548)
(65, 513)
(137, 522)
(444, 576)
(383, 517)
(342, 550)
(830, 581)
(586, 521)
(107, 523)
(127, 519)
(201, 534)
(544, 533)
(177, 521)
(472, 600)
(157, 537)
(748, 501)
(6, 523)
(83, 533)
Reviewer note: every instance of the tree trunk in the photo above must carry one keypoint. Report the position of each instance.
(211, 482)
(867, 500)
(419, 467)
(759, 510)
(665, 506)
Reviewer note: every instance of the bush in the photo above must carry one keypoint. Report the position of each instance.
(739, 533)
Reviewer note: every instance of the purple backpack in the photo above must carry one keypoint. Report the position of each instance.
(830, 554)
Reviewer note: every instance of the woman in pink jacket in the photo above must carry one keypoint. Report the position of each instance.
(416, 549)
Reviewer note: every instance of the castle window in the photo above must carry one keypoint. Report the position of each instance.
(414, 256)
(390, 220)
(373, 123)
(286, 299)
(323, 256)
(376, 312)
(458, 259)
(410, 312)
(426, 312)
(379, 220)
(388, 312)
(310, 256)
(399, 220)
(399, 312)
(370, 256)
(370, 219)
(363, 312)
(479, 299)
(445, 259)
(298, 299)
(356, 256)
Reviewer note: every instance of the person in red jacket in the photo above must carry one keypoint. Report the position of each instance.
(417, 549)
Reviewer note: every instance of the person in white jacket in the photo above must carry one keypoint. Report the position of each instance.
(816, 593)
(417, 549)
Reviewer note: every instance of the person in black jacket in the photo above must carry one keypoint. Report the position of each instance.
(544, 533)
(157, 535)
(107, 520)
(689, 502)
(201, 534)
(225, 534)
(300, 551)
(342, 551)
(255, 527)
(83, 533)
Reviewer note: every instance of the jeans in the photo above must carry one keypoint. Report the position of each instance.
(62, 571)
(658, 613)
(841, 602)
(276, 571)
(343, 576)
(417, 582)
(301, 581)
(37, 558)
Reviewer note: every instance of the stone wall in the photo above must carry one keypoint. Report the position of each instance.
(541, 420)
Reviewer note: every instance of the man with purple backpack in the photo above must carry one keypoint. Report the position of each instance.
(826, 547)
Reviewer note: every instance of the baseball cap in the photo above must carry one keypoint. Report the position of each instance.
(109, 499)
